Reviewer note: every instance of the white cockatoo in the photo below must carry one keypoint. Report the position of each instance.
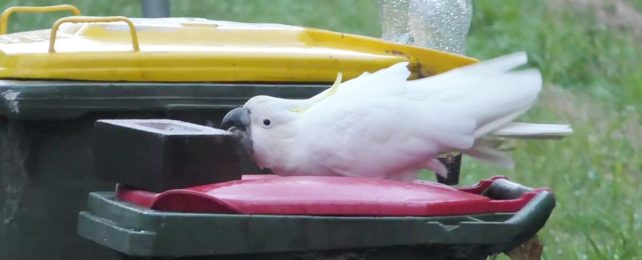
(382, 125)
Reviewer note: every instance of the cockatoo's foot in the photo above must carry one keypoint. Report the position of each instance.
(438, 167)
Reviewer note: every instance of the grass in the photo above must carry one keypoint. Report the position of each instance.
(593, 74)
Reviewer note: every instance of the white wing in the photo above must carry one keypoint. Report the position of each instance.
(399, 125)
(377, 137)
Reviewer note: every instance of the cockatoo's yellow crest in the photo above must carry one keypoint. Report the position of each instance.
(334, 87)
(319, 97)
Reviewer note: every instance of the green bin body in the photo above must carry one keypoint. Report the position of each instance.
(45, 150)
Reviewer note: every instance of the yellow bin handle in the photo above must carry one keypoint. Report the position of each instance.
(92, 19)
(4, 18)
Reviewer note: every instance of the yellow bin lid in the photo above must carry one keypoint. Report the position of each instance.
(201, 50)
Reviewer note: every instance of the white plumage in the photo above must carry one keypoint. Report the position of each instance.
(382, 125)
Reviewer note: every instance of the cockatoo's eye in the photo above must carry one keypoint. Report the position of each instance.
(267, 123)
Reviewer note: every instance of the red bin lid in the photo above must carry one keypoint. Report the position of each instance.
(324, 195)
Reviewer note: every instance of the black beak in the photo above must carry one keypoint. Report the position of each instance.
(237, 119)
(238, 122)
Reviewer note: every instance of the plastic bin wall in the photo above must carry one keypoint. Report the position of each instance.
(45, 153)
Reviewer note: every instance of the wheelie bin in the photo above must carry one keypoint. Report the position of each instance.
(55, 83)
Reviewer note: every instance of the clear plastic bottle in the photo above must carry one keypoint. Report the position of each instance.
(437, 24)
(395, 27)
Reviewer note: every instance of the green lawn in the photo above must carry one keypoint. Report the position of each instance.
(593, 73)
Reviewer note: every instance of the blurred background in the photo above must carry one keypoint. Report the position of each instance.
(590, 53)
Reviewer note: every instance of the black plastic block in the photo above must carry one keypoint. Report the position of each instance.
(158, 155)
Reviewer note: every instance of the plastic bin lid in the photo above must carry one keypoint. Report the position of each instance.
(201, 50)
(323, 195)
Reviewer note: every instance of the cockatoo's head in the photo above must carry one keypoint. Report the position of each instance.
(267, 126)
(269, 119)
(263, 124)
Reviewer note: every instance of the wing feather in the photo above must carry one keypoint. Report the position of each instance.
(395, 125)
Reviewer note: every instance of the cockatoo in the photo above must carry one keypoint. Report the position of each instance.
(382, 125)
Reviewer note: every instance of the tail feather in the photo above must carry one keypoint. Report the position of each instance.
(488, 92)
(491, 93)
